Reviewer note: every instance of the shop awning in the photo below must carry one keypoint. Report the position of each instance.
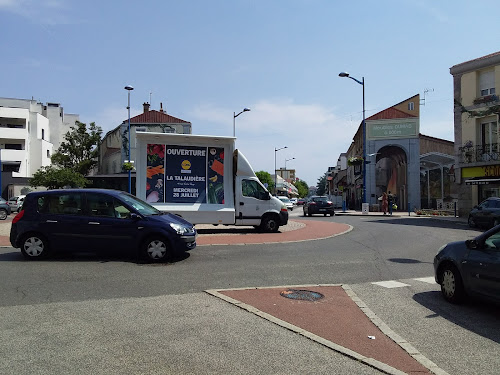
(482, 181)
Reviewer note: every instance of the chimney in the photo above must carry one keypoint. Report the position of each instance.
(146, 107)
(161, 108)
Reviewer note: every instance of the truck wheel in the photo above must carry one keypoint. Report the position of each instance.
(270, 224)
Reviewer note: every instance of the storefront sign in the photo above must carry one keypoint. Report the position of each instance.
(400, 130)
(484, 171)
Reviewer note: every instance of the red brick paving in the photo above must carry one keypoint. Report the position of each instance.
(336, 318)
(311, 230)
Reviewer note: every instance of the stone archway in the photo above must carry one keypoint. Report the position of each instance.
(391, 174)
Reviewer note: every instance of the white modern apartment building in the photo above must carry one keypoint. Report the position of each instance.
(29, 133)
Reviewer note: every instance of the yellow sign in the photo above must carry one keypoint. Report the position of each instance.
(186, 164)
(485, 171)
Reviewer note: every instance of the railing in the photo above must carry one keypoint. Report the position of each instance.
(479, 153)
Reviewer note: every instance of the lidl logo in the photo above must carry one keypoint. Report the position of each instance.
(186, 164)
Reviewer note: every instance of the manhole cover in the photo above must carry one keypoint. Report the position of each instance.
(303, 295)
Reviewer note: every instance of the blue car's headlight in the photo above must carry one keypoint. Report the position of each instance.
(181, 229)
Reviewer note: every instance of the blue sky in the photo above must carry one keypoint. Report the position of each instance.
(205, 59)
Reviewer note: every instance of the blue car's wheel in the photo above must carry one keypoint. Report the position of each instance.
(452, 287)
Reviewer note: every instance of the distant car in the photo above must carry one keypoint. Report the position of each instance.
(4, 209)
(16, 202)
(293, 200)
(318, 204)
(470, 268)
(486, 214)
(97, 220)
(301, 201)
(286, 201)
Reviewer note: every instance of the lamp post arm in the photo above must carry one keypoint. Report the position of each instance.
(360, 82)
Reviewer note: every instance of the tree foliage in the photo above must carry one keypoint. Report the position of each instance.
(321, 185)
(302, 188)
(80, 149)
(57, 178)
(265, 178)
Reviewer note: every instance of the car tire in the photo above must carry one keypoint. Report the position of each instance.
(332, 214)
(3, 214)
(305, 213)
(452, 287)
(471, 222)
(156, 249)
(291, 209)
(270, 224)
(309, 214)
(34, 246)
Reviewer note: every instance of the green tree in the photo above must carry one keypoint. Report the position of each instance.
(265, 178)
(80, 149)
(57, 178)
(302, 188)
(321, 185)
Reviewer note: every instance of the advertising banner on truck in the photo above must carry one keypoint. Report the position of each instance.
(185, 174)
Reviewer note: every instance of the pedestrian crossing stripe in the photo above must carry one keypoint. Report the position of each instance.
(397, 284)
(390, 284)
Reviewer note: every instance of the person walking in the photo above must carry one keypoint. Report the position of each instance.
(390, 201)
(384, 202)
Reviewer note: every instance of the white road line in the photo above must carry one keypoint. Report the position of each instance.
(428, 280)
(390, 284)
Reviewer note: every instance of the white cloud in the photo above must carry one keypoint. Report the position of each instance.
(313, 134)
(45, 12)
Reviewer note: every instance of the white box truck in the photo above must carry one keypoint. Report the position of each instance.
(205, 180)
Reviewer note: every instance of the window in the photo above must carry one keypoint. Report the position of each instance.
(48, 153)
(489, 136)
(13, 146)
(57, 204)
(411, 106)
(100, 205)
(43, 133)
(487, 83)
(253, 189)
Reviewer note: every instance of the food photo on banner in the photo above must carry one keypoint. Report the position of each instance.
(215, 173)
(155, 181)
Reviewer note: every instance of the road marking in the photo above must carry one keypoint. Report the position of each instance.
(390, 284)
(428, 280)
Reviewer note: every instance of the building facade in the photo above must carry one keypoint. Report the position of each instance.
(476, 125)
(114, 146)
(29, 133)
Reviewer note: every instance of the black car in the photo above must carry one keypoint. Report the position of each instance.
(4, 209)
(470, 268)
(97, 220)
(318, 204)
(486, 214)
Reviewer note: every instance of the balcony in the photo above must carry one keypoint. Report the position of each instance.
(12, 155)
(479, 154)
(14, 133)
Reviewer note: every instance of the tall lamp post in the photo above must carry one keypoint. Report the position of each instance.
(234, 119)
(362, 83)
(129, 88)
(275, 174)
(288, 160)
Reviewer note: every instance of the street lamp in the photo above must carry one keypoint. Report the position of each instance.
(275, 174)
(362, 83)
(129, 88)
(288, 160)
(234, 119)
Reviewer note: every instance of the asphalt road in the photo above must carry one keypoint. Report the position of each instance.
(85, 313)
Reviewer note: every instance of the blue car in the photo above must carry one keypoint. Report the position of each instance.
(470, 267)
(97, 220)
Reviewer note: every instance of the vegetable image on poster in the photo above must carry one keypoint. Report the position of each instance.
(215, 173)
(155, 175)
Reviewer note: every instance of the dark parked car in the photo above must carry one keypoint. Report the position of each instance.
(470, 267)
(4, 209)
(301, 201)
(318, 204)
(486, 214)
(97, 220)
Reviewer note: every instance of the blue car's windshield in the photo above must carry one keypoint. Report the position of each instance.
(142, 207)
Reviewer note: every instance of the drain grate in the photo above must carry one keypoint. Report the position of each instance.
(302, 295)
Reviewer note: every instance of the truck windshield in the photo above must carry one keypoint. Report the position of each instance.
(142, 207)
